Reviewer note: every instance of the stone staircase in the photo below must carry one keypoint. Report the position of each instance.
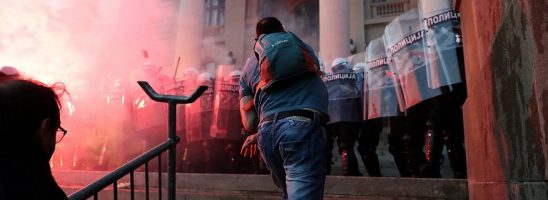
(243, 186)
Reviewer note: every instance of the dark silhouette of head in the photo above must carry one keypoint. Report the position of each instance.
(268, 25)
(29, 120)
(29, 115)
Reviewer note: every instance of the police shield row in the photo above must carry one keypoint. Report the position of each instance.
(212, 129)
(411, 80)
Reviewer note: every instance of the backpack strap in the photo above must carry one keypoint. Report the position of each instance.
(264, 78)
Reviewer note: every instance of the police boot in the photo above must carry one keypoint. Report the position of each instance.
(370, 161)
(410, 157)
(433, 148)
(454, 141)
(232, 158)
(457, 156)
(372, 166)
(396, 148)
(349, 164)
(400, 160)
(329, 155)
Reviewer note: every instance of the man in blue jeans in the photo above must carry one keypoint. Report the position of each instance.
(291, 114)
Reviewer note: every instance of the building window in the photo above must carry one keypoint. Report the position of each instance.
(388, 8)
(214, 12)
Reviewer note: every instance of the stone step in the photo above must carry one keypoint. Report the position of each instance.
(246, 186)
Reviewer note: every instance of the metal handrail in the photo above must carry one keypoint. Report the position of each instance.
(128, 168)
(171, 98)
(121, 171)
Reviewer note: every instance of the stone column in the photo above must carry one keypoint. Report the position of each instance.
(506, 113)
(334, 30)
(357, 24)
(189, 34)
(235, 11)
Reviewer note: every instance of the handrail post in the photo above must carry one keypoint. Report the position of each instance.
(172, 106)
(172, 102)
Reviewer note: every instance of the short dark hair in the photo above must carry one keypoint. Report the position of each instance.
(268, 25)
(24, 104)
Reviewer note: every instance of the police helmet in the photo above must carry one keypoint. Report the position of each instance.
(235, 73)
(205, 78)
(339, 65)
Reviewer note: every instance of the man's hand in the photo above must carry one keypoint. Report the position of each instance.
(249, 148)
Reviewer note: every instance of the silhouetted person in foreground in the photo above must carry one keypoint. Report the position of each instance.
(29, 124)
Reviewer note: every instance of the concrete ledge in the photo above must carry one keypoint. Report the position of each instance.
(398, 187)
(245, 186)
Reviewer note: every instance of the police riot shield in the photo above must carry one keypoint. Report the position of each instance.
(179, 88)
(344, 97)
(357, 59)
(110, 134)
(358, 63)
(404, 47)
(149, 117)
(382, 90)
(185, 87)
(443, 43)
(226, 115)
(201, 111)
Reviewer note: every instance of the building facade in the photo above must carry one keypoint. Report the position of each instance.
(228, 27)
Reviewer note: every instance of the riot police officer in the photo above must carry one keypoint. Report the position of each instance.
(445, 65)
(345, 114)
(226, 133)
(405, 51)
(382, 98)
(198, 126)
